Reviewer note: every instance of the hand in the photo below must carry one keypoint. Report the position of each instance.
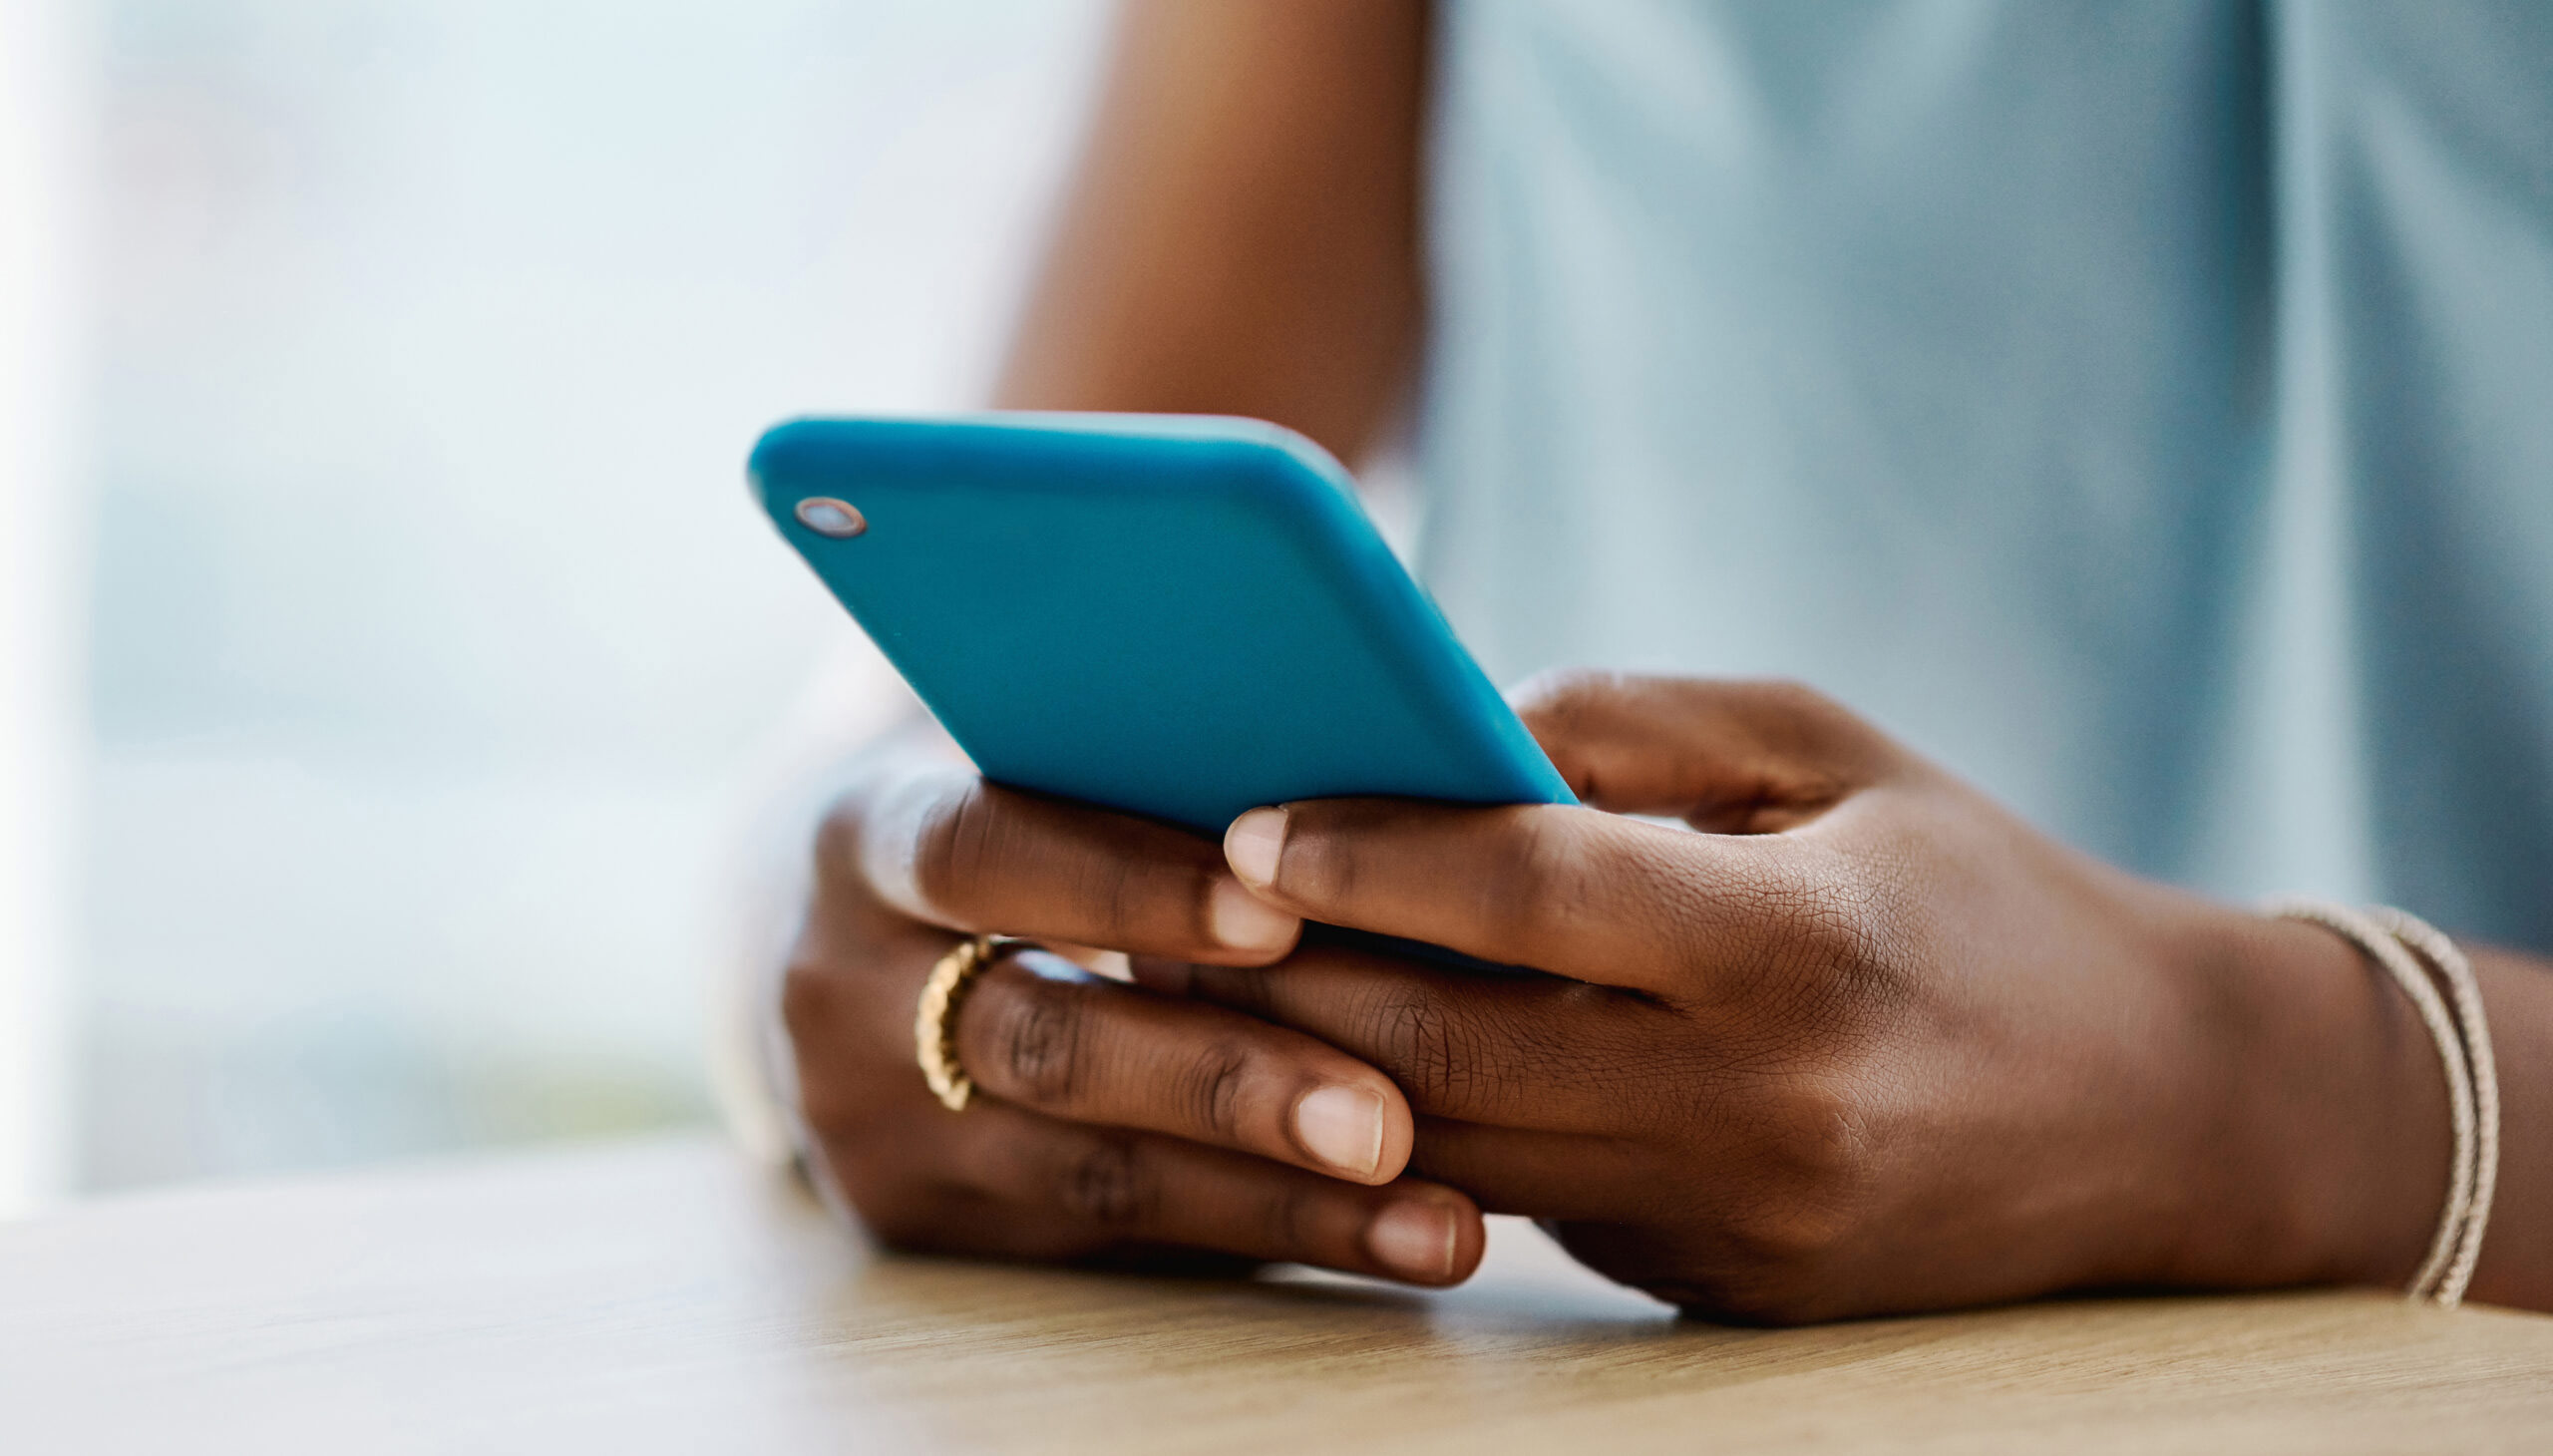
(1109, 1122)
(1865, 1043)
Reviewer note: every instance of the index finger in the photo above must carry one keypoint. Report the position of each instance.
(1512, 1051)
(944, 847)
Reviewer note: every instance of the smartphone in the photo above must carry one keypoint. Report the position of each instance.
(1179, 616)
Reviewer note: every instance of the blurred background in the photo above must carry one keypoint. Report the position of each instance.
(393, 660)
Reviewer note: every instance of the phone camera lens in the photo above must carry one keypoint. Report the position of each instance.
(826, 515)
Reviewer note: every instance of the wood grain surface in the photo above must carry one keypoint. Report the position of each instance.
(670, 1297)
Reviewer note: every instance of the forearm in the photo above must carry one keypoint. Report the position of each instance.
(2517, 1254)
(2325, 1133)
(1240, 235)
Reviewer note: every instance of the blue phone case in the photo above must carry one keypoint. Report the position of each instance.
(1177, 617)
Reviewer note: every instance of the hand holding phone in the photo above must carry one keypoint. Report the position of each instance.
(1184, 619)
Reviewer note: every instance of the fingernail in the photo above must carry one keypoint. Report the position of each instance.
(1414, 1240)
(1342, 1127)
(1244, 921)
(1252, 844)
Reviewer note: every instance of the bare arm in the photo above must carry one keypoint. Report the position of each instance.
(1242, 235)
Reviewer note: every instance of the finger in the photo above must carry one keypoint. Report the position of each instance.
(1040, 1033)
(946, 846)
(1728, 757)
(1542, 1175)
(1578, 892)
(1077, 1190)
(1529, 1052)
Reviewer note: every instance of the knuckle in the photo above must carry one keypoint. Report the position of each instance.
(1823, 948)
(1791, 1234)
(1792, 1214)
(1041, 1029)
(1855, 925)
(1540, 881)
(1830, 928)
(1136, 897)
(1110, 1184)
(1785, 1233)
(1122, 891)
(1816, 1171)
(1211, 1088)
(959, 841)
(1423, 1046)
(1287, 1219)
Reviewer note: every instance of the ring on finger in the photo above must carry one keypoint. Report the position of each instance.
(935, 1018)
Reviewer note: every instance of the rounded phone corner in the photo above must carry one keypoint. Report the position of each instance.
(777, 453)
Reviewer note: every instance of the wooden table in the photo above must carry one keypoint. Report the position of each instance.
(667, 1296)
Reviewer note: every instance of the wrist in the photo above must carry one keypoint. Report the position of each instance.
(2319, 1142)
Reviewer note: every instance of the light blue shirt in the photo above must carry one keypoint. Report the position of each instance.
(2145, 410)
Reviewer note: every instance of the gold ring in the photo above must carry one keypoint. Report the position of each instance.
(936, 1018)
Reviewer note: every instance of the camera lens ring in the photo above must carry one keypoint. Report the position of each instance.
(828, 517)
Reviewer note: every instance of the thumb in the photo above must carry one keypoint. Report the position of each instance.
(1730, 757)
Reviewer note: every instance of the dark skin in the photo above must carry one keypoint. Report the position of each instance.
(1854, 1042)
